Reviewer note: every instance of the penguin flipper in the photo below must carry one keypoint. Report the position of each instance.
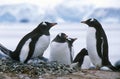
(100, 43)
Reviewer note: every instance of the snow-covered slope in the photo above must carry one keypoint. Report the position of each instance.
(18, 13)
(60, 13)
(105, 14)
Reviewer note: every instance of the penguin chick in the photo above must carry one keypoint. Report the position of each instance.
(61, 50)
(82, 60)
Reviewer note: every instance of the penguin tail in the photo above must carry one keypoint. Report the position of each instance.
(5, 50)
(113, 68)
(117, 65)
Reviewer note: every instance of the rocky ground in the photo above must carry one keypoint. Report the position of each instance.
(10, 69)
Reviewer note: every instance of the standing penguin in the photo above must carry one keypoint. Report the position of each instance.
(31, 45)
(97, 44)
(60, 49)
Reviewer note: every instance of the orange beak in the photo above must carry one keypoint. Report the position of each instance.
(83, 22)
(75, 38)
(53, 24)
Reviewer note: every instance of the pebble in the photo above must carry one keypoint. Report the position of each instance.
(34, 69)
(0, 62)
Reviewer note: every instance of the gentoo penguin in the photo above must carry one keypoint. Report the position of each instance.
(31, 45)
(82, 60)
(97, 44)
(60, 49)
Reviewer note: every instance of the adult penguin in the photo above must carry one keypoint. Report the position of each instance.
(61, 50)
(97, 44)
(31, 45)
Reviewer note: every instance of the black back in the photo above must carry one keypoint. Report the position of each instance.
(42, 29)
(80, 56)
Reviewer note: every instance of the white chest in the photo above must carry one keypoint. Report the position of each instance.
(92, 46)
(60, 52)
(41, 45)
(24, 51)
(86, 63)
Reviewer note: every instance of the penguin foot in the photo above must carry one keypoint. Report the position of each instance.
(104, 68)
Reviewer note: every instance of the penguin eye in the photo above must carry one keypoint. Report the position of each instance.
(60, 34)
(91, 20)
(69, 39)
(44, 23)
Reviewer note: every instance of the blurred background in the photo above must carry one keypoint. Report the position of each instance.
(18, 17)
(58, 10)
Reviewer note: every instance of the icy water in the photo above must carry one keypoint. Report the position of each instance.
(10, 35)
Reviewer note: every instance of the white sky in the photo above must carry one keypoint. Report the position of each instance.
(105, 3)
(53, 3)
(42, 3)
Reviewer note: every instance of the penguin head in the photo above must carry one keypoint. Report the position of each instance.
(92, 22)
(61, 37)
(46, 25)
